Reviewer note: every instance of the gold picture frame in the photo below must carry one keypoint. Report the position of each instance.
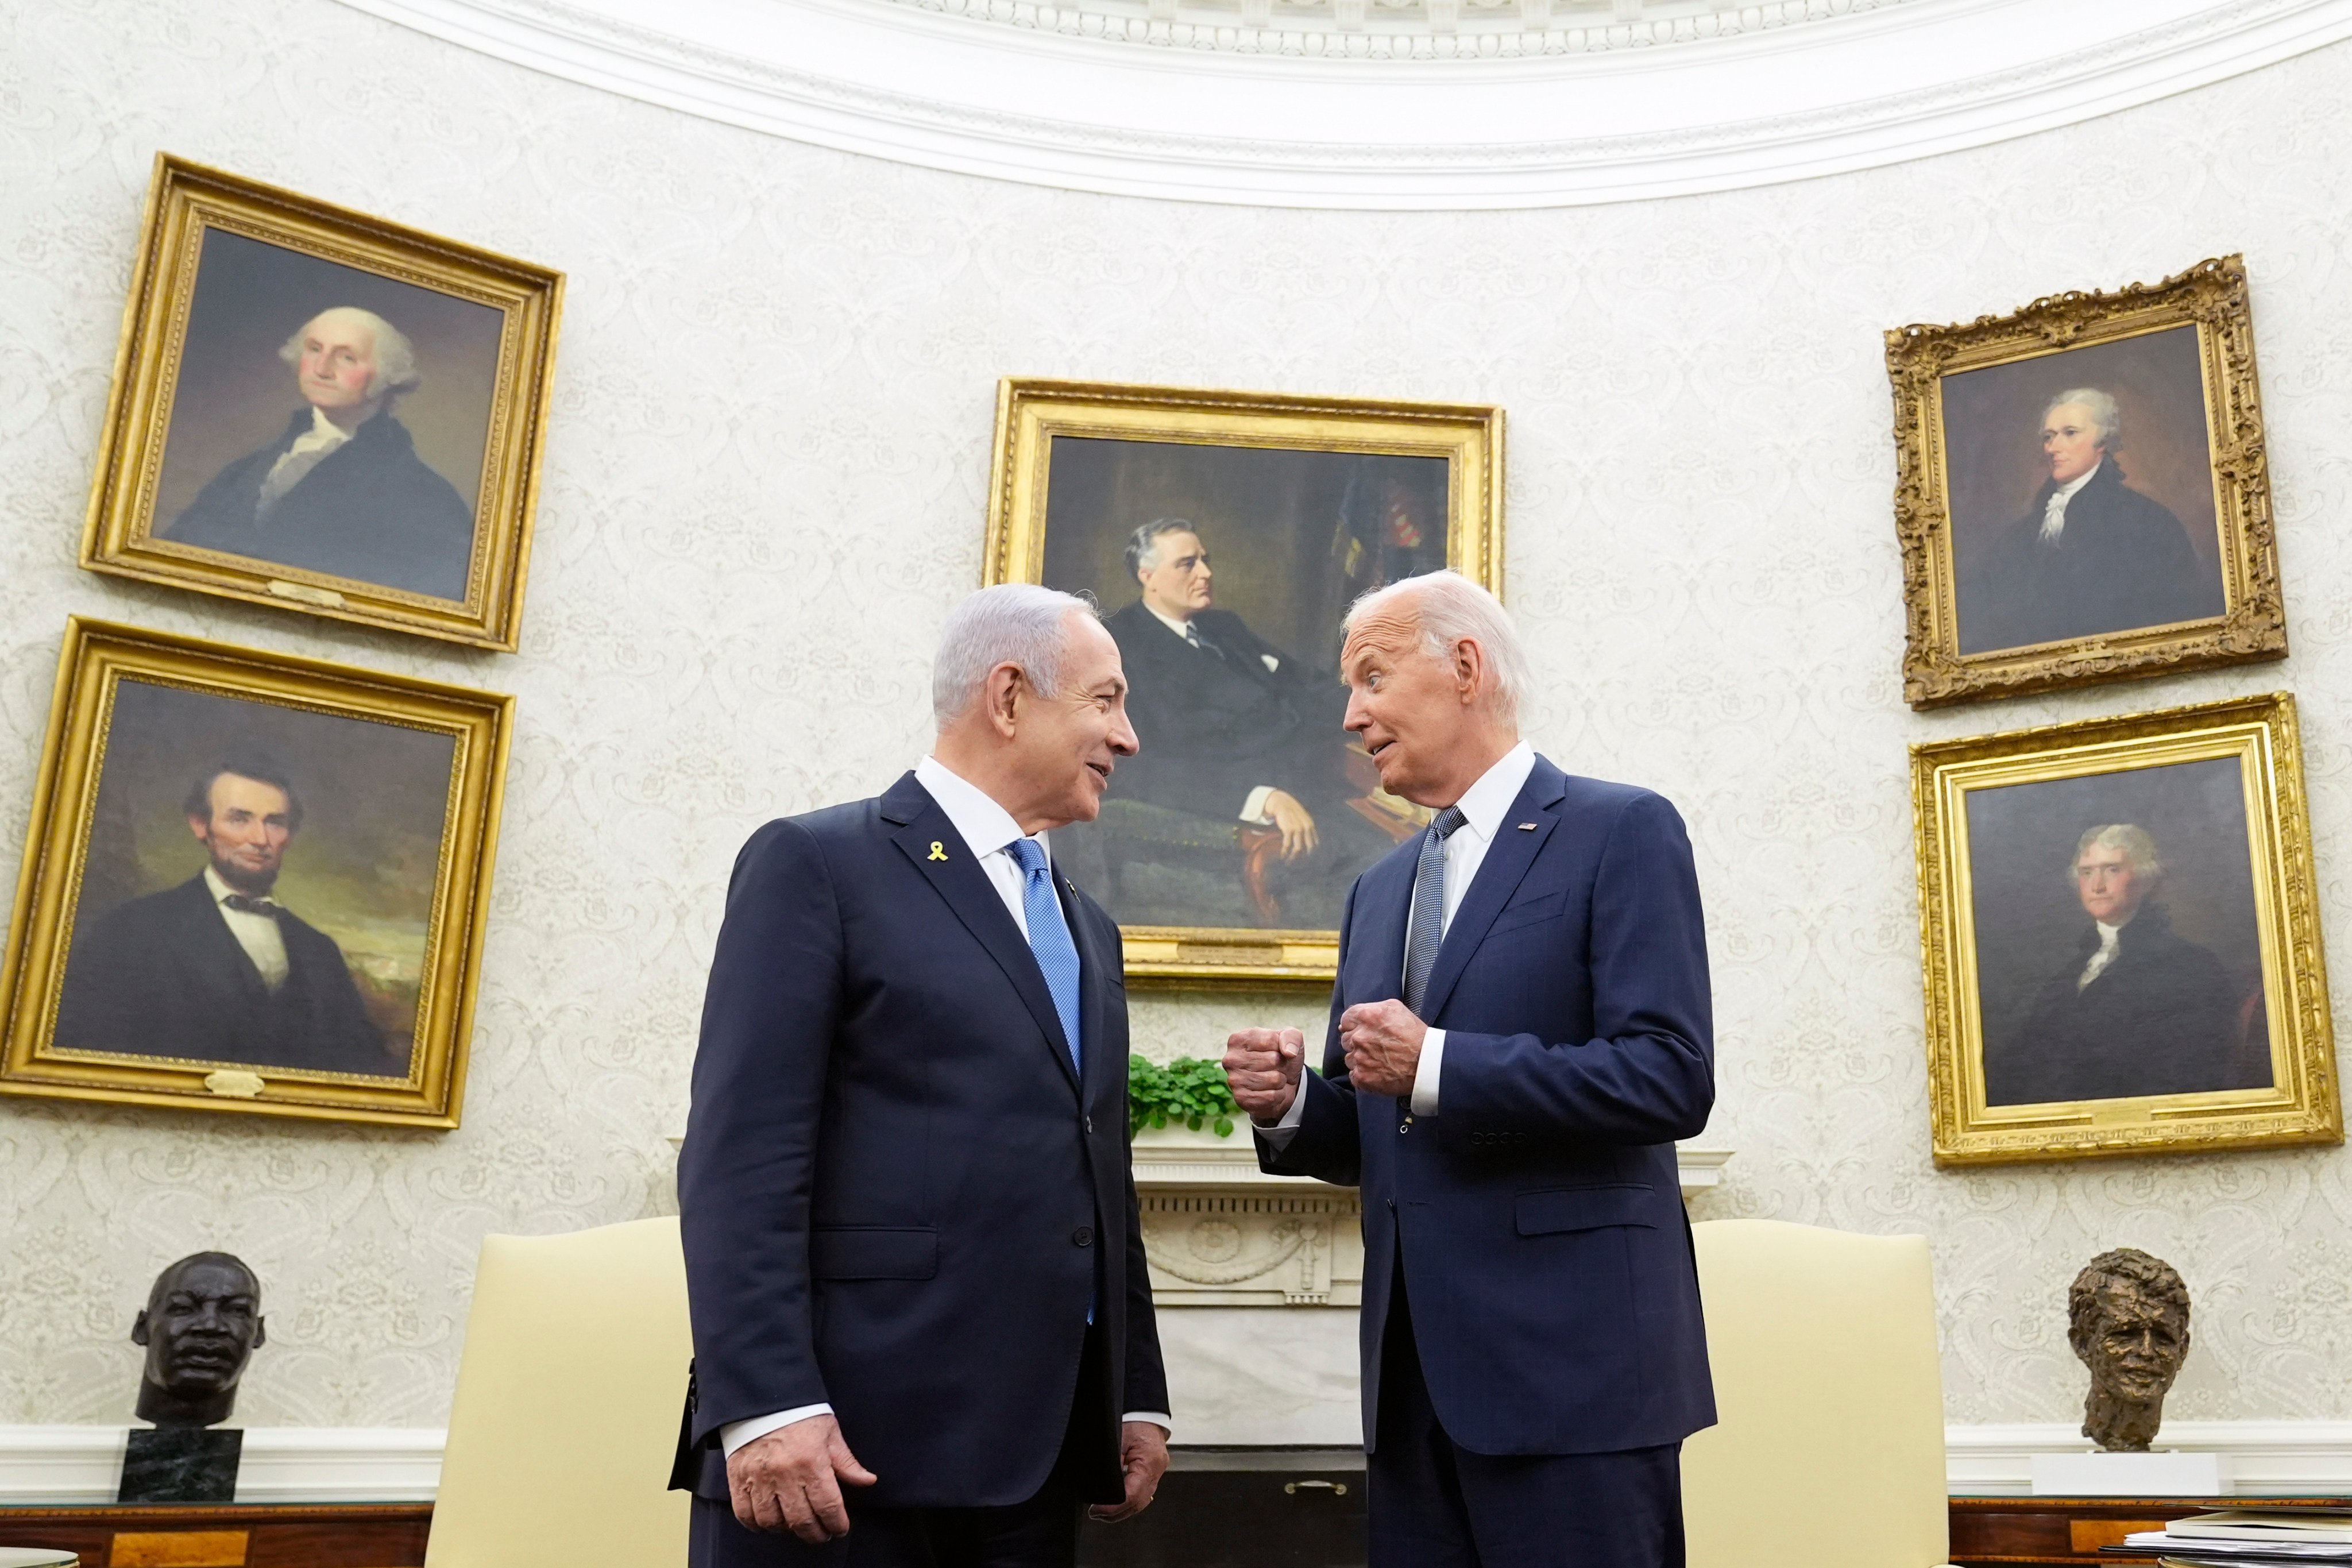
(200, 423)
(1316, 498)
(2209, 1029)
(2004, 595)
(404, 780)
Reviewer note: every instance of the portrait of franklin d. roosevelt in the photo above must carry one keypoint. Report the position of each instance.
(265, 907)
(1222, 572)
(328, 420)
(2118, 956)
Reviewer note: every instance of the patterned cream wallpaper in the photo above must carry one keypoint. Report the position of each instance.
(763, 489)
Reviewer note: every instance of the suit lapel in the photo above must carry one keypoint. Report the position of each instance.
(929, 840)
(1096, 957)
(1499, 875)
(1383, 909)
(229, 956)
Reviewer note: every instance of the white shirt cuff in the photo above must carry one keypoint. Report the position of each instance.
(1283, 1132)
(1424, 1076)
(735, 1434)
(1253, 808)
(1159, 1418)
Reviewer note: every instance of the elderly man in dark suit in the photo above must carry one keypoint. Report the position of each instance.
(1520, 1031)
(2091, 555)
(1233, 728)
(913, 1255)
(2137, 1009)
(217, 969)
(341, 490)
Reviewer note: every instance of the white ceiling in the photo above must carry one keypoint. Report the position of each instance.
(1421, 104)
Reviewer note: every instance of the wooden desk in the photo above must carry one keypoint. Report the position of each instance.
(1988, 1530)
(228, 1535)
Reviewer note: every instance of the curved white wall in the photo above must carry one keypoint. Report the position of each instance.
(764, 486)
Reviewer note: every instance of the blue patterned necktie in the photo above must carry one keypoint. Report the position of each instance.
(1428, 930)
(1049, 938)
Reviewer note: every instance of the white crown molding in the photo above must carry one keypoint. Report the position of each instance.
(1857, 90)
(277, 1464)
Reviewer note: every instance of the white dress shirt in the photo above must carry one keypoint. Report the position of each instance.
(260, 935)
(987, 830)
(1253, 805)
(310, 450)
(2101, 959)
(1483, 805)
(2054, 515)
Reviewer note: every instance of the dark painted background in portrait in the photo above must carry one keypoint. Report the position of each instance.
(1293, 538)
(2028, 921)
(1993, 438)
(234, 394)
(361, 868)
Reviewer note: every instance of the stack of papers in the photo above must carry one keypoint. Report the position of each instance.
(2248, 1536)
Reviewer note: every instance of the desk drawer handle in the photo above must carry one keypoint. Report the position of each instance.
(1337, 1488)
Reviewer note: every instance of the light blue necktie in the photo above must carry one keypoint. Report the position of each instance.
(1427, 932)
(1049, 938)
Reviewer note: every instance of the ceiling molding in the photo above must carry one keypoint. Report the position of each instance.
(892, 79)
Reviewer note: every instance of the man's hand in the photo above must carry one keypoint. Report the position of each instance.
(786, 1480)
(1143, 1459)
(1262, 1068)
(1382, 1040)
(1298, 823)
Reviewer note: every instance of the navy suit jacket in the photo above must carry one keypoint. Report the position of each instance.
(1555, 1299)
(897, 1194)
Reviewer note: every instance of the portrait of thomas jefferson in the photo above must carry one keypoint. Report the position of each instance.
(2131, 1008)
(341, 489)
(217, 969)
(2092, 556)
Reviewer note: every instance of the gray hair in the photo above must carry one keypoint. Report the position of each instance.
(394, 356)
(1013, 623)
(2138, 848)
(1450, 607)
(1144, 541)
(2105, 414)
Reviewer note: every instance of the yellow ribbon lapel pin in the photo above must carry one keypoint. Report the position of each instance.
(938, 851)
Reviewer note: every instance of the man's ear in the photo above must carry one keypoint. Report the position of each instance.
(1469, 660)
(1002, 696)
(139, 1327)
(201, 828)
(260, 1332)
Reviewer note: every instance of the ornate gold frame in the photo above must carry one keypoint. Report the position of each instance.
(97, 655)
(185, 201)
(2211, 296)
(1030, 412)
(2305, 1106)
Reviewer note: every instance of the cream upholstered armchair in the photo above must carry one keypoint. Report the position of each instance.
(1828, 1448)
(567, 1405)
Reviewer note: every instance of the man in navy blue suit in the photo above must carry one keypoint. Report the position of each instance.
(913, 1257)
(1520, 1030)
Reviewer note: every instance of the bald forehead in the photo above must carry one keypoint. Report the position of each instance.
(206, 1274)
(1390, 624)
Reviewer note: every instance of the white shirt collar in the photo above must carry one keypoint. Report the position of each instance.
(1169, 621)
(1484, 803)
(221, 890)
(2067, 491)
(323, 431)
(986, 826)
(2107, 934)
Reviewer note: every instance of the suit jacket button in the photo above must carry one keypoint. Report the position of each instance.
(1083, 1236)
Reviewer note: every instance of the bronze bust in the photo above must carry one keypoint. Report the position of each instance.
(201, 1324)
(2127, 1319)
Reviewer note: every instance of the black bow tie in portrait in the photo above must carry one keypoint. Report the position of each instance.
(250, 906)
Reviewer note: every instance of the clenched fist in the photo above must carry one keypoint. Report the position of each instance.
(1382, 1042)
(1262, 1068)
